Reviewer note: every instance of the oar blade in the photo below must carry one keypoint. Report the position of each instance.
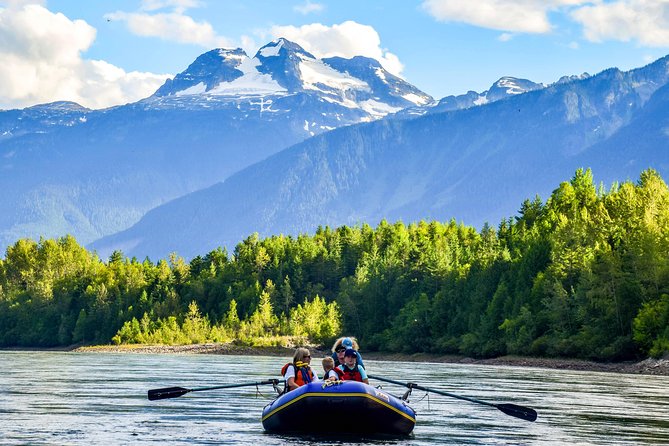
(167, 392)
(514, 410)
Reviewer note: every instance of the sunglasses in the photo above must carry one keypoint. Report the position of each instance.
(307, 356)
(340, 350)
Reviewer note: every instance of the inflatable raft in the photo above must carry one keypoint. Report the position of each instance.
(344, 407)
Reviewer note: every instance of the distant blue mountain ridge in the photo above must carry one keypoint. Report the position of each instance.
(473, 163)
(91, 173)
(282, 142)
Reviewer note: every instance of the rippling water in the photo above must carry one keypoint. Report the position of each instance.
(94, 398)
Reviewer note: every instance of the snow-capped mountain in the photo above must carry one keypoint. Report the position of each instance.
(504, 88)
(283, 68)
(474, 165)
(573, 77)
(90, 173)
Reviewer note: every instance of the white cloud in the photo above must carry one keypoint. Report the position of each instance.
(347, 39)
(646, 21)
(18, 3)
(172, 26)
(42, 62)
(528, 16)
(180, 5)
(505, 37)
(308, 7)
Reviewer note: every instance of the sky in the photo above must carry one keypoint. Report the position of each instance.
(102, 53)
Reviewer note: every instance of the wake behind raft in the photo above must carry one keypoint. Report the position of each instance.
(312, 407)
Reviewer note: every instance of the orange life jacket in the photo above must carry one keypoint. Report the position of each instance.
(303, 375)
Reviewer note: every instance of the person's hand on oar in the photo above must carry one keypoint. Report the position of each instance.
(175, 392)
(514, 410)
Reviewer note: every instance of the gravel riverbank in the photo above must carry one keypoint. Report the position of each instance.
(646, 367)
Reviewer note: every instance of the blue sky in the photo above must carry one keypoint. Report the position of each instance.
(101, 53)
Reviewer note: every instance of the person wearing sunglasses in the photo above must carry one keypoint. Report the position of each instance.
(299, 372)
(341, 345)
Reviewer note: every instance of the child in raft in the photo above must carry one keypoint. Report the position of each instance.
(331, 373)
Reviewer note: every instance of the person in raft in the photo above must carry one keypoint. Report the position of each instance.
(299, 372)
(331, 373)
(340, 346)
(352, 371)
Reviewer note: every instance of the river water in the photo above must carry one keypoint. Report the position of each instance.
(100, 399)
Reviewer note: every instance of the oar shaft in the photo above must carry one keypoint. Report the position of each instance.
(441, 392)
(513, 410)
(175, 392)
(230, 386)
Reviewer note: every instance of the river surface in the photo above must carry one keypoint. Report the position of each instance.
(64, 398)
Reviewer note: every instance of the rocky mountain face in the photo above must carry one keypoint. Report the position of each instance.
(503, 88)
(91, 173)
(474, 164)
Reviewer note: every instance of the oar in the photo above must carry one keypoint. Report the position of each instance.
(175, 392)
(514, 410)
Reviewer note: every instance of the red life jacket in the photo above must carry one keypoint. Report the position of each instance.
(351, 375)
(303, 375)
(337, 371)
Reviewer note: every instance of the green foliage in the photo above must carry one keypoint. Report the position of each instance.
(262, 322)
(651, 327)
(315, 320)
(585, 274)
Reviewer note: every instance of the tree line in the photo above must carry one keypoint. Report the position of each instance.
(584, 274)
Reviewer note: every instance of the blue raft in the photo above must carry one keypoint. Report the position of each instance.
(345, 407)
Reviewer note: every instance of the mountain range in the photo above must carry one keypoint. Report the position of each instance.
(90, 173)
(284, 142)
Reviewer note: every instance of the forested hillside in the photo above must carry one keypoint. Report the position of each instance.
(584, 274)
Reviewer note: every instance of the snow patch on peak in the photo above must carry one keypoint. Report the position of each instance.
(511, 85)
(481, 100)
(572, 78)
(270, 51)
(315, 74)
(416, 99)
(380, 73)
(251, 82)
(378, 109)
(238, 54)
(275, 47)
(195, 89)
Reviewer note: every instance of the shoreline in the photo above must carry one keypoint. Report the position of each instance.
(650, 366)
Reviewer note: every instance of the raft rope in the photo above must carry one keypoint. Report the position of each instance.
(407, 394)
(427, 395)
(276, 389)
(259, 394)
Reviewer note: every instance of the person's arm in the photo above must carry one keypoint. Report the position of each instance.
(316, 378)
(363, 374)
(359, 357)
(289, 376)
